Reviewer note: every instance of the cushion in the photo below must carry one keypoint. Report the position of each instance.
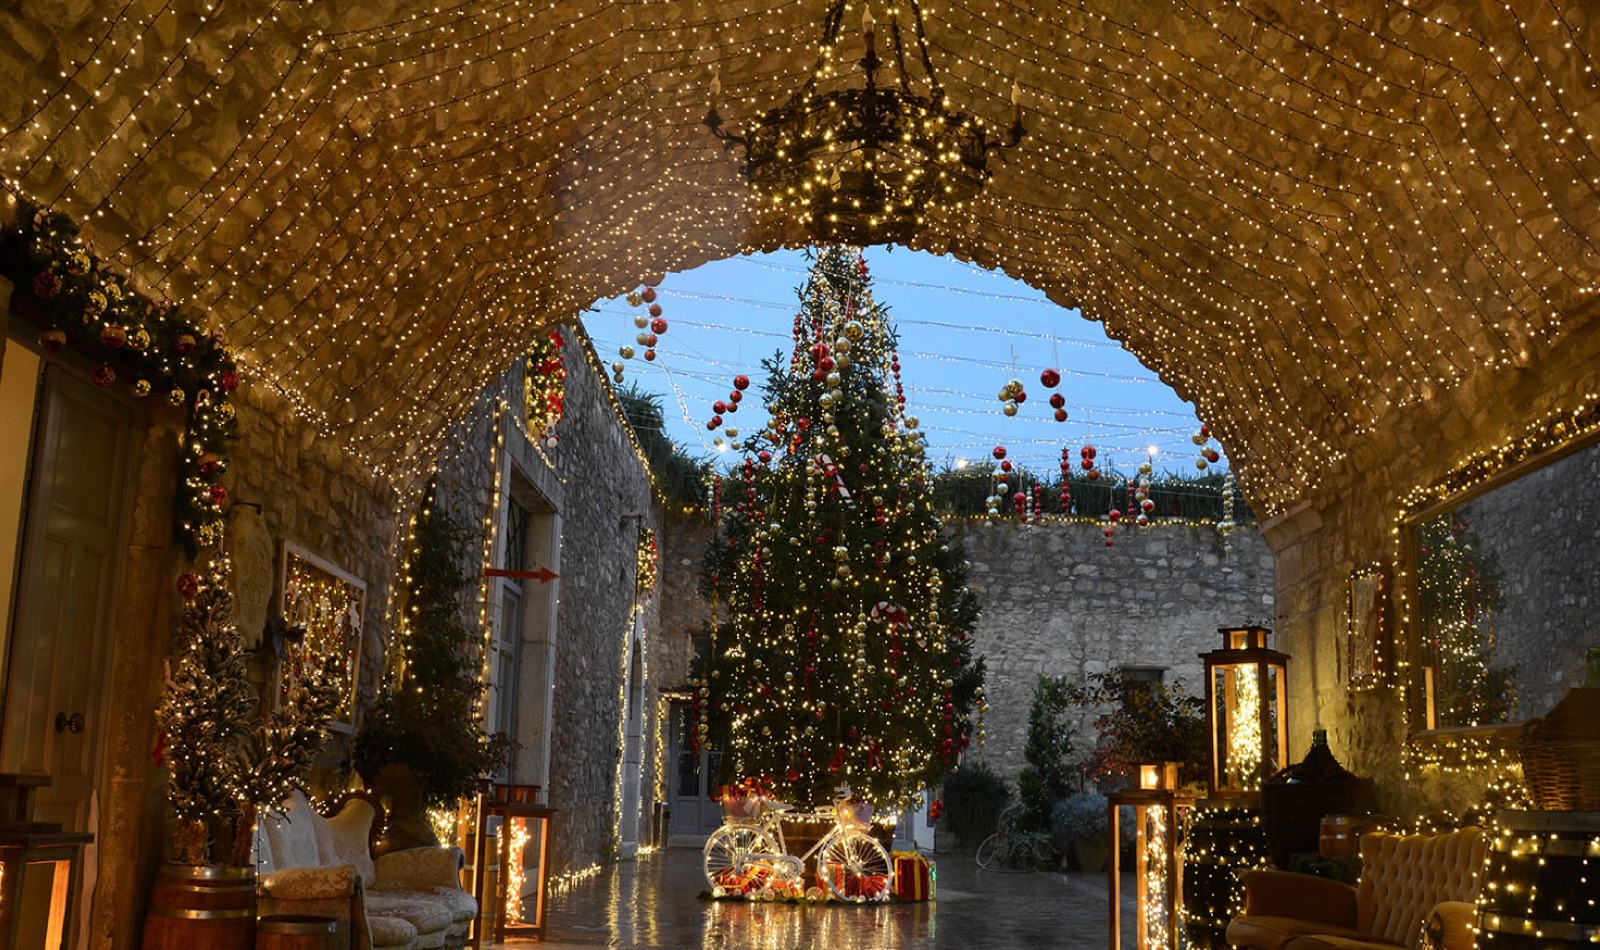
(458, 902)
(291, 836)
(344, 838)
(1270, 933)
(1337, 942)
(390, 931)
(426, 915)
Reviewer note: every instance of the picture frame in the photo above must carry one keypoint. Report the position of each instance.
(1367, 628)
(323, 606)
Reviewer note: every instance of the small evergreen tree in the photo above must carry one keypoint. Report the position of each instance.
(843, 653)
(224, 762)
(1458, 600)
(1048, 775)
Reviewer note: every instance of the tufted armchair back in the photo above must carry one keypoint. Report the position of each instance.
(1404, 876)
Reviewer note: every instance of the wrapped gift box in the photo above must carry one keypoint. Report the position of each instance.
(915, 877)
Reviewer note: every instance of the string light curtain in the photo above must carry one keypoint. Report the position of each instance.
(1312, 220)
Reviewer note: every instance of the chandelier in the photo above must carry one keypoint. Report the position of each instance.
(865, 165)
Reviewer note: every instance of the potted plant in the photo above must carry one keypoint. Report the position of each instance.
(224, 763)
(422, 746)
(1080, 824)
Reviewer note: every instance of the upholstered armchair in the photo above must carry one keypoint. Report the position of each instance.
(405, 900)
(1414, 889)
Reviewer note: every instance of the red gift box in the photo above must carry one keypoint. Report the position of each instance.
(913, 876)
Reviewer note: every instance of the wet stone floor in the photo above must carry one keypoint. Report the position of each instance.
(656, 903)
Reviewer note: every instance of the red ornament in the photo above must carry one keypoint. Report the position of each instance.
(184, 344)
(825, 364)
(1212, 455)
(209, 463)
(1093, 475)
(711, 426)
(217, 494)
(802, 423)
(1108, 531)
(1050, 378)
(228, 381)
(1020, 396)
(735, 396)
(1005, 466)
(655, 310)
(1205, 430)
(658, 325)
(719, 407)
(188, 586)
(46, 284)
(650, 356)
(1088, 464)
(999, 451)
(113, 336)
(1087, 451)
(648, 295)
(52, 340)
(741, 381)
(104, 376)
(764, 456)
(650, 339)
(1147, 506)
(936, 809)
(792, 775)
(1061, 415)
(1057, 400)
(1115, 515)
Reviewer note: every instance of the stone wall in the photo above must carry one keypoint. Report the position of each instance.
(1057, 602)
(596, 483)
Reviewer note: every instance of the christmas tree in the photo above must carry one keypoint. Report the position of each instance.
(841, 648)
(1458, 598)
(225, 762)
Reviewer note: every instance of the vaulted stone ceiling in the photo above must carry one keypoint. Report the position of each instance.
(1309, 217)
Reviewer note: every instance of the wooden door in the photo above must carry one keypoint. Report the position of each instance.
(61, 633)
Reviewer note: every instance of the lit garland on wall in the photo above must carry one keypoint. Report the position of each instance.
(545, 386)
(648, 561)
(159, 349)
(1159, 194)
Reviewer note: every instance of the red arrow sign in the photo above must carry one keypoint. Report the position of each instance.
(543, 575)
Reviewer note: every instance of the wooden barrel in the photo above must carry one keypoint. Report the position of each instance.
(1540, 891)
(297, 932)
(1339, 836)
(201, 908)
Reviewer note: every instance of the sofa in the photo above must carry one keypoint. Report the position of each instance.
(1414, 891)
(403, 900)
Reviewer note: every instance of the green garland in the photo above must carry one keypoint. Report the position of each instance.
(150, 348)
(649, 558)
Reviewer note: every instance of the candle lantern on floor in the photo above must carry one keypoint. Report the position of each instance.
(512, 904)
(1246, 686)
(1158, 811)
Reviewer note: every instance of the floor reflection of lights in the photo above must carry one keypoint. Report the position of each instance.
(658, 903)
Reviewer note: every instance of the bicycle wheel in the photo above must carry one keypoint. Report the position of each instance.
(725, 872)
(854, 867)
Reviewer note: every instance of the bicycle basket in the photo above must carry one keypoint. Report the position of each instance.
(742, 805)
(853, 814)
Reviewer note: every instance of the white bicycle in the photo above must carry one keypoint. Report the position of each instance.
(747, 856)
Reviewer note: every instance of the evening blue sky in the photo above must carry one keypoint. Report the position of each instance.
(963, 333)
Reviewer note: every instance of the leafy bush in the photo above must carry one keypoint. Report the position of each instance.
(1079, 817)
(974, 797)
(1028, 851)
(1151, 722)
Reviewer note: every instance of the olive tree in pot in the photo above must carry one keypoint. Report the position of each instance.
(422, 744)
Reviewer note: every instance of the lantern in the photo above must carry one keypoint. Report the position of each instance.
(1246, 685)
(1158, 810)
(513, 903)
(39, 870)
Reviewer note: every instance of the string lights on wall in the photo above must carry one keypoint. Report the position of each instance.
(1303, 219)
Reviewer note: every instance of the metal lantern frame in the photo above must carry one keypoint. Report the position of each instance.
(1245, 660)
(1158, 882)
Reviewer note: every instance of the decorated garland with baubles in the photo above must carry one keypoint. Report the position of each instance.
(152, 349)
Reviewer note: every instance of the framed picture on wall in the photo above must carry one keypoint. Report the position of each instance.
(1367, 631)
(323, 607)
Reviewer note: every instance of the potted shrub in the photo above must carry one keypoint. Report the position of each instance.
(421, 745)
(1081, 824)
(974, 796)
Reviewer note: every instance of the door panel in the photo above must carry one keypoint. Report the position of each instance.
(61, 639)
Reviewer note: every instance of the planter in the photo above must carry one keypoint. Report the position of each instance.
(201, 908)
(399, 790)
(1091, 854)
